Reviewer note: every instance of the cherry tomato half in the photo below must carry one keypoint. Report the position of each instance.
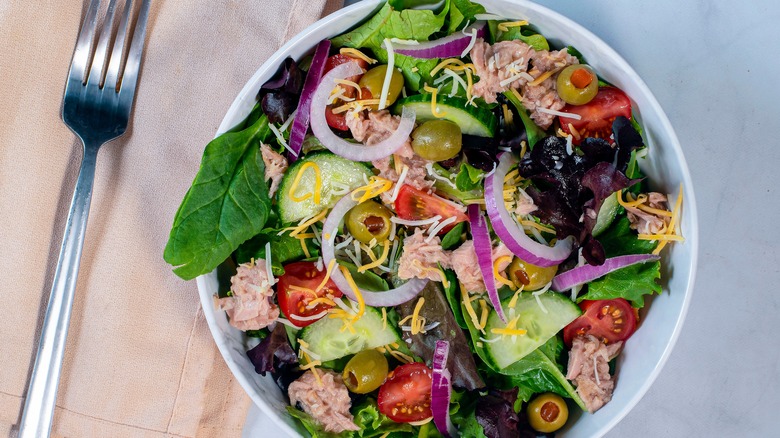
(414, 204)
(406, 394)
(598, 114)
(338, 121)
(610, 320)
(294, 303)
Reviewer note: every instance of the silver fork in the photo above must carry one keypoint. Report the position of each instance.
(96, 107)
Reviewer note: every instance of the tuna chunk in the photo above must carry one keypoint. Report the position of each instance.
(419, 259)
(328, 403)
(589, 369)
(275, 165)
(544, 94)
(497, 63)
(250, 306)
(649, 223)
(371, 127)
(466, 267)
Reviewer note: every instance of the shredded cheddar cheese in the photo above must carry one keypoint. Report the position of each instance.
(316, 193)
(356, 291)
(445, 63)
(513, 301)
(501, 279)
(504, 27)
(434, 106)
(417, 322)
(672, 228)
(379, 261)
(355, 53)
(484, 316)
(384, 318)
(470, 309)
(375, 187)
(510, 329)
(543, 77)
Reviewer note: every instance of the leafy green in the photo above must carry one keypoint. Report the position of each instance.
(452, 293)
(373, 423)
(632, 282)
(453, 236)
(619, 239)
(448, 189)
(462, 11)
(366, 280)
(313, 427)
(576, 53)
(527, 35)
(284, 249)
(416, 71)
(469, 178)
(407, 24)
(534, 132)
(227, 204)
(540, 371)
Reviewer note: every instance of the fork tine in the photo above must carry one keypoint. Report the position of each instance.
(133, 64)
(112, 74)
(80, 62)
(101, 50)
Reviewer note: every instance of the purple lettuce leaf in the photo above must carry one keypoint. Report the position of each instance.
(272, 352)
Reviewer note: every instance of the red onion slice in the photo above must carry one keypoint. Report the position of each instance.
(441, 390)
(392, 297)
(341, 147)
(587, 273)
(451, 46)
(509, 231)
(484, 249)
(301, 123)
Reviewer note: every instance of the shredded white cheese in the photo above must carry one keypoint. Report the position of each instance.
(559, 113)
(436, 176)
(268, 271)
(471, 43)
(280, 138)
(417, 223)
(399, 183)
(434, 230)
(388, 74)
(309, 318)
(404, 42)
(393, 253)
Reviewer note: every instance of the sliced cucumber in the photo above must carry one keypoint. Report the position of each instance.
(328, 341)
(335, 174)
(607, 213)
(540, 326)
(472, 120)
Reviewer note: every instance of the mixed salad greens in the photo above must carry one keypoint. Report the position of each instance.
(454, 245)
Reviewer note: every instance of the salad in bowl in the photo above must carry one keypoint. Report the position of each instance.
(436, 223)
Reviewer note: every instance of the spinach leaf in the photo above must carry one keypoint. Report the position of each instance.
(366, 280)
(416, 71)
(448, 189)
(534, 132)
(284, 249)
(227, 204)
(452, 293)
(539, 371)
(313, 427)
(469, 178)
(619, 239)
(453, 236)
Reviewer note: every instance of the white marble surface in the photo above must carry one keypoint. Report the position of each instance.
(714, 67)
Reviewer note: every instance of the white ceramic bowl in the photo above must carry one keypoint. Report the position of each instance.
(650, 346)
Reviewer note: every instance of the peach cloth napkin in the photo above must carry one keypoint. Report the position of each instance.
(140, 360)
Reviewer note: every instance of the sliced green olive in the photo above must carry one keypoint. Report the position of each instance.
(547, 413)
(373, 80)
(369, 220)
(437, 140)
(365, 372)
(531, 277)
(577, 84)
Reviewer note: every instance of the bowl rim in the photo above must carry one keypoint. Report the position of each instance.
(692, 235)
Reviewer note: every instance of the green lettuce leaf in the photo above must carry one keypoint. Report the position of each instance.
(526, 35)
(632, 282)
(313, 427)
(469, 178)
(461, 12)
(284, 249)
(416, 71)
(373, 423)
(453, 236)
(534, 132)
(227, 204)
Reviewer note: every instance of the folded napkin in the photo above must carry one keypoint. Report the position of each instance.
(140, 360)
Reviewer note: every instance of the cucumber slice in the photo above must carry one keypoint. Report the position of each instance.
(335, 174)
(607, 213)
(541, 326)
(472, 120)
(328, 341)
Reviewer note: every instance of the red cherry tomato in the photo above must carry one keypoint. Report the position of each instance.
(406, 394)
(609, 320)
(294, 303)
(339, 121)
(414, 204)
(598, 114)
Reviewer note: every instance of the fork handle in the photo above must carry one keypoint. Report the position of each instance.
(42, 392)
